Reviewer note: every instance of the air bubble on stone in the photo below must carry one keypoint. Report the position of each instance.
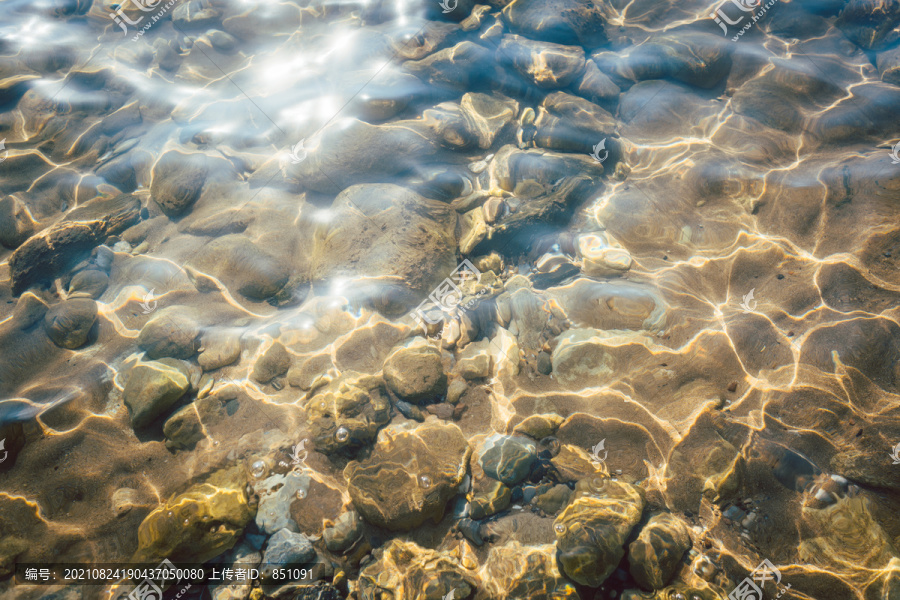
(301, 494)
(560, 528)
(258, 469)
(425, 481)
(342, 434)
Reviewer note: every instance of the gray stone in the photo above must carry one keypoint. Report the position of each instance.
(274, 363)
(169, 333)
(507, 458)
(240, 265)
(547, 65)
(90, 283)
(183, 429)
(286, 548)
(69, 323)
(153, 387)
(560, 21)
(416, 373)
(343, 533)
(220, 349)
(595, 85)
(178, 181)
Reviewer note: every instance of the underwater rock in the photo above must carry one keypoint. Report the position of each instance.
(218, 349)
(178, 179)
(475, 361)
(888, 63)
(870, 24)
(592, 530)
(343, 533)
(559, 21)
(410, 475)
(276, 493)
(612, 305)
(170, 333)
(476, 121)
(507, 458)
(89, 283)
(285, 549)
(464, 66)
(390, 233)
(571, 124)
(123, 500)
(455, 391)
(69, 323)
(845, 532)
(514, 570)
(153, 387)
(655, 555)
(581, 359)
(305, 373)
(696, 58)
(415, 373)
(183, 429)
(349, 152)
(16, 225)
(198, 524)
(61, 246)
(241, 266)
(595, 85)
(553, 500)
(538, 427)
(602, 256)
(489, 114)
(273, 363)
(488, 497)
(404, 569)
(547, 65)
(346, 414)
(574, 464)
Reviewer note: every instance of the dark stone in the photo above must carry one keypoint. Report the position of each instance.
(274, 363)
(69, 323)
(559, 21)
(169, 334)
(177, 181)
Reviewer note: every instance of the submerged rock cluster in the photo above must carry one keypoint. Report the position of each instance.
(567, 299)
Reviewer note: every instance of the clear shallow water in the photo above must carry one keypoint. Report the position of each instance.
(218, 235)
